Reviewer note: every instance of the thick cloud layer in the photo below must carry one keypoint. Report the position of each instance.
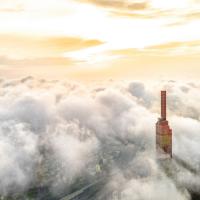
(54, 133)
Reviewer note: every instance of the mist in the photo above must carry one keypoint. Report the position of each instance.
(53, 133)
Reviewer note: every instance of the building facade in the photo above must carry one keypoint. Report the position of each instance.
(163, 132)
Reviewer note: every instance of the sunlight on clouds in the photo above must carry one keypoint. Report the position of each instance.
(89, 21)
(139, 25)
(93, 55)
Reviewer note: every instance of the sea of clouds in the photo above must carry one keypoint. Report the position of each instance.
(54, 132)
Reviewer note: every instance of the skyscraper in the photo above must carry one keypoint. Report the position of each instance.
(163, 132)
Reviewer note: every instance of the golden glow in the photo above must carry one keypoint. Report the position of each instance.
(99, 38)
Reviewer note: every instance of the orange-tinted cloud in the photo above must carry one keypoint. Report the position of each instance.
(193, 15)
(184, 18)
(175, 44)
(10, 10)
(149, 13)
(30, 46)
(119, 4)
(69, 43)
(37, 62)
(28, 52)
(125, 52)
(165, 50)
(135, 9)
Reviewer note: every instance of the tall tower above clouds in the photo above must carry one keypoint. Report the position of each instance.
(163, 131)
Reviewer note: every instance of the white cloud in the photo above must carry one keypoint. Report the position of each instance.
(54, 132)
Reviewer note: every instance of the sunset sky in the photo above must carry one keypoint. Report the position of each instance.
(97, 39)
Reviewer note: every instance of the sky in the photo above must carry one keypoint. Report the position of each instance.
(100, 39)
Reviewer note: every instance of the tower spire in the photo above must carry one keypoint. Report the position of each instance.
(163, 105)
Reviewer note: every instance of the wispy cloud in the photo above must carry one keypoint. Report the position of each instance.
(37, 62)
(32, 53)
(33, 46)
(120, 4)
(176, 44)
(10, 10)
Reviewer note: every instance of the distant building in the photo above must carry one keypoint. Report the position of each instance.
(163, 132)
